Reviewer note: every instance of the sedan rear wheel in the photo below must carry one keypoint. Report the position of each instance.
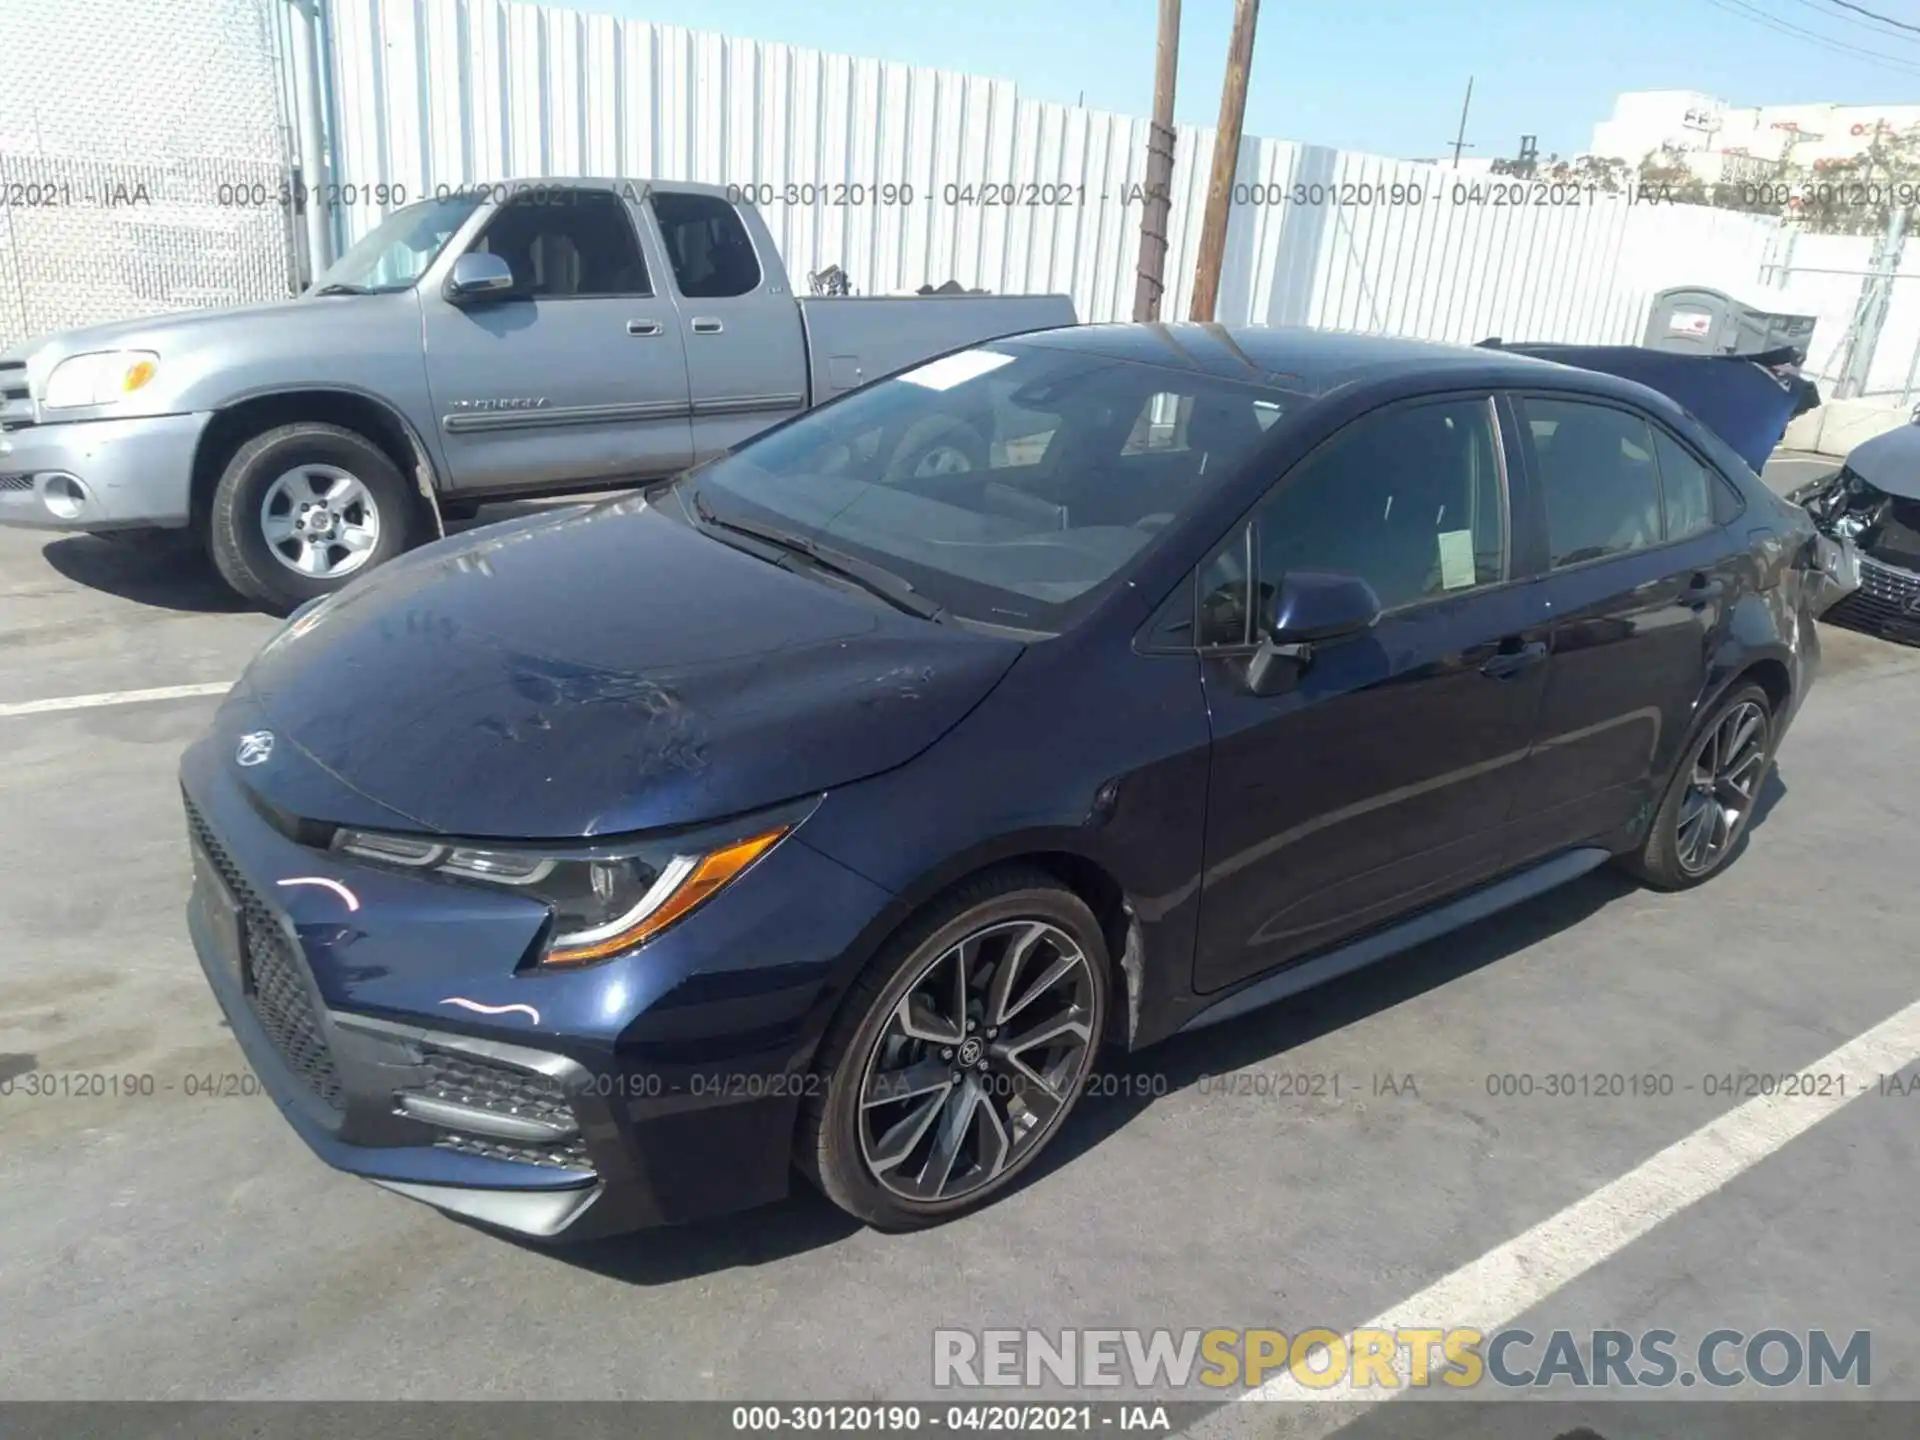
(959, 1054)
(1712, 795)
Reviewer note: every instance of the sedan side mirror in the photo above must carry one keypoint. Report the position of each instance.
(478, 277)
(1309, 609)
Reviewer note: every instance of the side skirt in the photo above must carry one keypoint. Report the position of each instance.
(1429, 924)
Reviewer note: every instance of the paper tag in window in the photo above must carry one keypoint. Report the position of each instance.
(952, 370)
(1456, 559)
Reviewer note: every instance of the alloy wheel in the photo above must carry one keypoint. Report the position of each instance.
(942, 460)
(1727, 766)
(320, 521)
(978, 1062)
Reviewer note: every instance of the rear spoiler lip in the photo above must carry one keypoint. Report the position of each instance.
(1751, 425)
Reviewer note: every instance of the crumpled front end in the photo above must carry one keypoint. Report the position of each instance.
(1876, 534)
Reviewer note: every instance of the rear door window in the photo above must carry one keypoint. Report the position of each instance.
(1686, 486)
(1599, 481)
(707, 244)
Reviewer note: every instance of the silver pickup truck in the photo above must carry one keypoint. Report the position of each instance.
(525, 339)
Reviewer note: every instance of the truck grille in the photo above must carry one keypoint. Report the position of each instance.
(16, 483)
(507, 1090)
(280, 996)
(16, 403)
(1881, 605)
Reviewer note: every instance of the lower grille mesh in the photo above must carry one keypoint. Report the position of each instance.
(280, 997)
(1879, 606)
(501, 1089)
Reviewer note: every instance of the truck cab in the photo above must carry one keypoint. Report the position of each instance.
(491, 342)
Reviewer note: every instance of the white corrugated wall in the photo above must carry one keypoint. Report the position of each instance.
(443, 92)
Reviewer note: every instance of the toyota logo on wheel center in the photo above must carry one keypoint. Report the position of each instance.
(970, 1051)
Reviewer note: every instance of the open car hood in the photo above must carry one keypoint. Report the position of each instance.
(1743, 399)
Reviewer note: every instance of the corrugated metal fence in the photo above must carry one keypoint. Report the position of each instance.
(905, 176)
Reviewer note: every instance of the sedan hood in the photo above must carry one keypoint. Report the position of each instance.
(1890, 462)
(603, 670)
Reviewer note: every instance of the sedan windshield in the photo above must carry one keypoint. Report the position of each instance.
(1007, 484)
(397, 252)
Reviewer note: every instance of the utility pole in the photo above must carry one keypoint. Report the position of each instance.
(313, 166)
(1159, 198)
(1226, 160)
(1460, 139)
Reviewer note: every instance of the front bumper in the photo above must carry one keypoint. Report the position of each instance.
(1887, 604)
(658, 1088)
(99, 474)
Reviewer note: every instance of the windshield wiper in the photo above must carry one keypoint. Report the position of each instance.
(878, 580)
(340, 288)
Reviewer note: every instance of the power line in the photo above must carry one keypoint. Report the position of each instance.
(1761, 17)
(1876, 15)
(1870, 28)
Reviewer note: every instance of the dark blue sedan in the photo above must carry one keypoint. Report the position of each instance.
(832, 806)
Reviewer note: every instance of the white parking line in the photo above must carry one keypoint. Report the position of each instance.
(1506, 1282)
(112, 697)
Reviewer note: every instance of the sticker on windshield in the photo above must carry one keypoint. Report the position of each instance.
(952, 370)
(1456, 559)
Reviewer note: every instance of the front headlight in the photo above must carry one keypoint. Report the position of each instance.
(605, 899)
(99, 378)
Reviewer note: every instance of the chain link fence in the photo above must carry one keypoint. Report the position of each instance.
(143, 161)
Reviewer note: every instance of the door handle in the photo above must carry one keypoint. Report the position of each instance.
(707, 325)
(1506, 664)
(643, 327)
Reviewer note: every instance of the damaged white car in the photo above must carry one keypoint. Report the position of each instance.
(1873, 504)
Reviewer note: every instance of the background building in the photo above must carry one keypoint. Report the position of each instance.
(1723, 142)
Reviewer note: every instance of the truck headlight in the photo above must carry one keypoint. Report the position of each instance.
(605, 899)
(99, 378)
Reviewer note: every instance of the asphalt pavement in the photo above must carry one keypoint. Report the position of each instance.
(183, 1243)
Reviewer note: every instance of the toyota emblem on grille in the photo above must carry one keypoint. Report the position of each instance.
(255, 747)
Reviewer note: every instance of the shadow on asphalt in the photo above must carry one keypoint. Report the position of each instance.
(169, 571)
(805, 1220)
(165, 572)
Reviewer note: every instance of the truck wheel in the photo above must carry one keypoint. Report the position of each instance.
(302, 509)
(938, 445)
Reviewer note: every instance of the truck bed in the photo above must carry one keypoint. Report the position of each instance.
(854, 339)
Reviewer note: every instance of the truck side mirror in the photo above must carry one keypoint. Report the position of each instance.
(1309, 609)
(479, 277)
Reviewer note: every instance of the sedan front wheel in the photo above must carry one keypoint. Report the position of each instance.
(959, 1054)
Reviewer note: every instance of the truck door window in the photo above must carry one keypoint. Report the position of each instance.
(707, 244)
(568, 245)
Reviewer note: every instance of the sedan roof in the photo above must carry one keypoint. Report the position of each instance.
(1304, 361)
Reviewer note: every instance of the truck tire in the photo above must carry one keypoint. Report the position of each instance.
(302, 509)
(938, 445)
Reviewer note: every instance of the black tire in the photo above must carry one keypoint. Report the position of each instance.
(238, 543)
(828, 1149)
(1659, 862)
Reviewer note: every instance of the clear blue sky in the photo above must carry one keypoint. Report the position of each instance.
(1378, 75)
